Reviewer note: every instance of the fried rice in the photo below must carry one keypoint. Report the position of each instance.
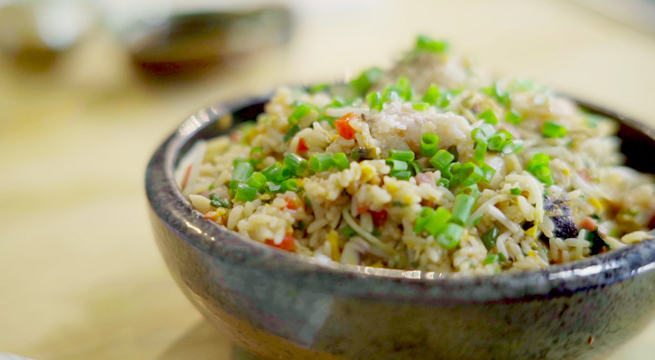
(432, 165)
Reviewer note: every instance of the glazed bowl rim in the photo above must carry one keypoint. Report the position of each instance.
(170, 206)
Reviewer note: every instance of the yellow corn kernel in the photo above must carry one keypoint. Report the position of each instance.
(368, 172)
(391, 186)
(532, 253)
(333, 238)
(377, 264)
(566, 172)
(595, 203)
(531, 231)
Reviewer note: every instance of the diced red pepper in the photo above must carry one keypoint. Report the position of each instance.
(379, 217)
(302, 145)
(287, 243)
(343, 126)
(291, 205)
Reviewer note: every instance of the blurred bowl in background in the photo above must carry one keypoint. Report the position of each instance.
(190, 43)
(35, 33)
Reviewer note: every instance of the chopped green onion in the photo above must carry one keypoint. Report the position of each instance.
(300, 112)
(542, 172)
(238, 161)
(420, 106)
(295, 163)
(401, 175)
(443, 182)
(488, 173)
(441, 159)
(404, 89)
(450, 237)
(289, 185)
(515, 191)
(257, 180)
(416, 167)
(491, 259)
(291, 133)
(512, 146)
(432, 95)
(403, 82)
(272, 187)
(537, 159)
(321, 162)
(502, 96)
(428, 44)
(337, 102)
(374, 101)
(550, 129)
(513, 117)
(453, 150)
(472, 190)
(470, 174)
(483, 132)
(476, 221)
(480, 151)
(217, 202)
(366, 80)
(462, 208)
(362, 153)
(496, 142)
(348, 232)
(397, 165)
(404, 155)
(242, 172)
(502, 257)
(318, 88)
(257, 154)
(422, 219)
(245, 193)
(454, 170)
(454, 182)
(391, 94)
(437, 222)
(507, 133)
(489, 117)
(489, 237)
(277, 172)
(341, 161)
(429, 145)
(444, 99)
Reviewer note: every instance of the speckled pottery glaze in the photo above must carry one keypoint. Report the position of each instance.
(279, 305)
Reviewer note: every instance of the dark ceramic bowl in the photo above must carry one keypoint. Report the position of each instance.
(283, 306)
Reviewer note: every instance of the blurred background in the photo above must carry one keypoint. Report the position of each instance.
(89, 88)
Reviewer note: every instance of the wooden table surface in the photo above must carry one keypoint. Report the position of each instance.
(80, 275)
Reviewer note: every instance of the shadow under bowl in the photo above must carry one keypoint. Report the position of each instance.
(281, 305)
